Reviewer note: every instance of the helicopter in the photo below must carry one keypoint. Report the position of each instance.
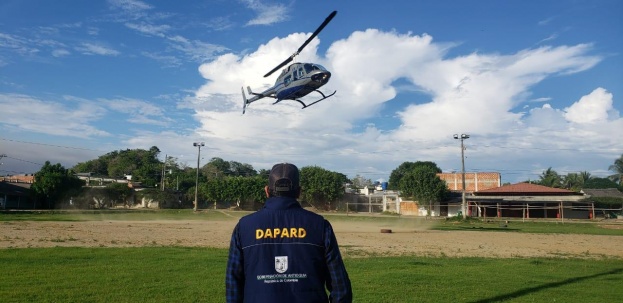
(297, 80)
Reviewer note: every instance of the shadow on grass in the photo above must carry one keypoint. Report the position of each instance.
(526, 291)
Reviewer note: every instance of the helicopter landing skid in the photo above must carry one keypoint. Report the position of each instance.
(310, 104)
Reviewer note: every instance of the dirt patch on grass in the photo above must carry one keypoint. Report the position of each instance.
(356, 239)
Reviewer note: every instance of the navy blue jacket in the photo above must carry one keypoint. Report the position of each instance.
(284, 253)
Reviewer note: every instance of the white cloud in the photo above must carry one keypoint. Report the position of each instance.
(130, 5)
(96, 49)
(17, 44)
(139, 111)
(267, 13)
(220, 23)
(541, 99)
(595, 107)
(167, 61)
(149, 29)
(50, 117)
(196, 50)
(60, 53)
(474, 93)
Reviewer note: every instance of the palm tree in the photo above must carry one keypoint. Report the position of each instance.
(550, 178)
(617, 168)
(585, 176)
(573, 181)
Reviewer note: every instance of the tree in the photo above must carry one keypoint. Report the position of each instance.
(423, 185)
(406, 167)
(573, 181)
(218, 167)
(119, 192)
(98, 167)
(321, 186)
(601, 183)
(221, 166)
(143, 165)
(550, 178)
(53, 183)
(585, 176)
(360, 182)
(234, 190)
(241, 169)
(617, 168)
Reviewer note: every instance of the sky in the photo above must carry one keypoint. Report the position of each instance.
(534, 83)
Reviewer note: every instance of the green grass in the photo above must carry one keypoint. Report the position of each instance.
(493, 225)
(178, 274)
(540, 227)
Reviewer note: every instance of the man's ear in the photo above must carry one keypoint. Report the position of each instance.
(267, 191)
(298, 193)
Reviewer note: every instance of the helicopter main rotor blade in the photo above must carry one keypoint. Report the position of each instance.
(318, 30)
(279, 66)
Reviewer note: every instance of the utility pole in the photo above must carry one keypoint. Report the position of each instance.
(164, 170)
(198, 145)
(462, 137)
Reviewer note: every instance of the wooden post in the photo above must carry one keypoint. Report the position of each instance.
(523, 215)
(484, 211)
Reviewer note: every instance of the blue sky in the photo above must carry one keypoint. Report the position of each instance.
(535, 84)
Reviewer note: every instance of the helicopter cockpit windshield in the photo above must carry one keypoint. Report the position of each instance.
(312, 67)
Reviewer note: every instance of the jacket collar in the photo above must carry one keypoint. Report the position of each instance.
(276, 203)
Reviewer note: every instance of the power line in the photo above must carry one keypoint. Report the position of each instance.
(23, 160)
(52, 145)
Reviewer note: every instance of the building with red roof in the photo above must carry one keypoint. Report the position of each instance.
(526, 200)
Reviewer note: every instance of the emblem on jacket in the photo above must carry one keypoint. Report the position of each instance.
(281, 264)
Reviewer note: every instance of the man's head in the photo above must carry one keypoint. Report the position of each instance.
(283, 181)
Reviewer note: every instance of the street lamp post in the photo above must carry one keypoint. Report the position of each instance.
(198, 145)
(462, 137)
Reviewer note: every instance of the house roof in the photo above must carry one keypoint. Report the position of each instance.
(603, 192)
(14, 189)
(525, 189)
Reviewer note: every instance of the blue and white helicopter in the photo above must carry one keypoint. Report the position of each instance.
(297, 80)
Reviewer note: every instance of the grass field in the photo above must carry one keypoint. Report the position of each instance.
(178, 274)
(196, 274)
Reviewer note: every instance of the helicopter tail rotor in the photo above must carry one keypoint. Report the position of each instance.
(244, 101)
(316, 32)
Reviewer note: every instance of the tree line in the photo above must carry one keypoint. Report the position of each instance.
(230, 183)
(220, 182)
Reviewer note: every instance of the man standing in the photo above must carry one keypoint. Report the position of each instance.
(284, 253)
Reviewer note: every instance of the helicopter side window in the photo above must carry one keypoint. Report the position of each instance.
(308, 68)
(287, 80)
